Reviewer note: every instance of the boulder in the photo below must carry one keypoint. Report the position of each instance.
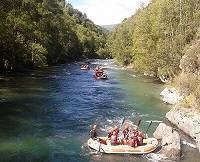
(188, 120)
(171, 96)
(170, 141)
(162, 130)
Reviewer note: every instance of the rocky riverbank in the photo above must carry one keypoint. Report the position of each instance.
(186, 119)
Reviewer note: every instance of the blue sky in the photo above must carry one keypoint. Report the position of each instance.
(77, 2)
(106, 12)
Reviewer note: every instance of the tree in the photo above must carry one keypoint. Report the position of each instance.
(154, 38)
(45, 32)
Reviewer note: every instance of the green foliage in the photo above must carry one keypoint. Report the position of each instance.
(190, 62)
(119, 43)
(38, 54)
(92, 38)
(153, 39)
(189, 79)
(44, 32)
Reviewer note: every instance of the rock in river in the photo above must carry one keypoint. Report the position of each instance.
(188, 120)
(170, 141)
(171, 96)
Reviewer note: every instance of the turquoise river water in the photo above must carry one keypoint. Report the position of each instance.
(46, 115)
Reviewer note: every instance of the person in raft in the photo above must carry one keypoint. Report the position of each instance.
(133, 140)
(136, 138)
(114, 138)
(110, 132)
(87, 66)
(125, 133)
(132, 137)
(116, 130)
(140, 137)
(93, 132)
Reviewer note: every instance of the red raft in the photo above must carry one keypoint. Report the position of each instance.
(100, 74)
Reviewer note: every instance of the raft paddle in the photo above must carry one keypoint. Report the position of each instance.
(123, 121)
(99, 146)
(148, 127)
(137, 121)
(138, 124)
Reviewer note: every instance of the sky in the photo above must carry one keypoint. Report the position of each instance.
(107, 12)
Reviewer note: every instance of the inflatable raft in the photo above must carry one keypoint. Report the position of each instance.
(83, 68)
(86, 67)
(103, 77)
(102, 145)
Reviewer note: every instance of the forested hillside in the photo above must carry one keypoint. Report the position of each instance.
(188, 81)
(45, 32)
(109, 27)
(154, 38)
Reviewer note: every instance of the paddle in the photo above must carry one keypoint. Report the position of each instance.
(123, 121)
(99, 145)
(148, 129)
(137, 121)
(100, 148)
(138, 124)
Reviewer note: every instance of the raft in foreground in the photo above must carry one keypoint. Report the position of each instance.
(149, 145)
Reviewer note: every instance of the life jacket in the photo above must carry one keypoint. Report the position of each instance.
(99, 73)
(117, 131)
(133, 142)
(110, 134)
(126, 133)
(140, 138)
(133, 139)
(113, 139)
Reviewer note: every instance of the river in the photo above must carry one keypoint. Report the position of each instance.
(46, 115)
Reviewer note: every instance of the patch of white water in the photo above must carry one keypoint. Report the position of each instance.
(188, 144)
(156, 157)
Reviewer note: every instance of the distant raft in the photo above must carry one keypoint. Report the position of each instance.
(85, 67)
(102, 145)
(103, 76)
